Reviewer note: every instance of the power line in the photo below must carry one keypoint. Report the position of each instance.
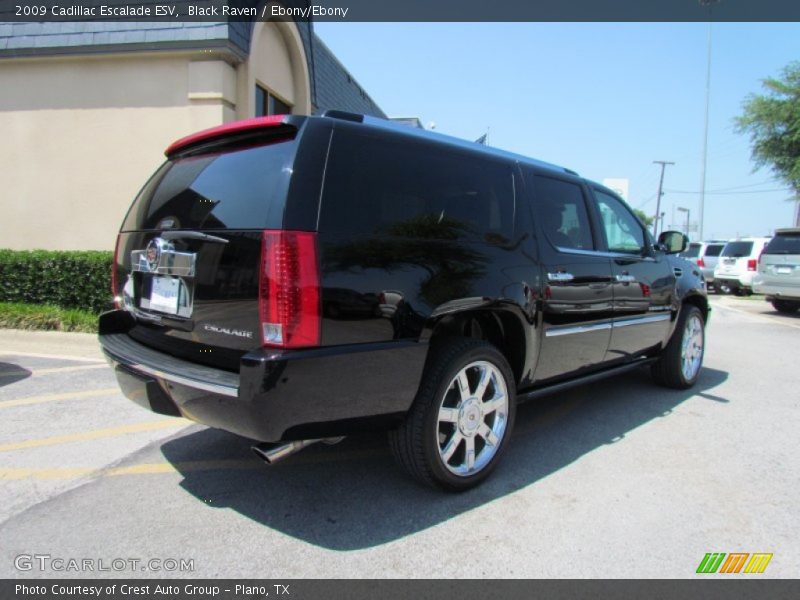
(724, 193)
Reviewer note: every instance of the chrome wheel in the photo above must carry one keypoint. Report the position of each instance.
(472, 418)
(692, 347)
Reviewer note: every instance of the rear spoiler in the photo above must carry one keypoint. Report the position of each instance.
(287, 123)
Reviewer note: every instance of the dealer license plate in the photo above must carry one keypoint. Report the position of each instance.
(164, 294)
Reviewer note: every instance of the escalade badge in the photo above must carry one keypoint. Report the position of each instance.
(153, 253)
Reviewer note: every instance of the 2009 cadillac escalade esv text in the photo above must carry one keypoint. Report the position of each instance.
(293, 279)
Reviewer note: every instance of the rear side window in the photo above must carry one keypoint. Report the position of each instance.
(233, 189)
(561, 211)
(379, 187)
(713, 249)
(784, 243)
(738, 249)
(693, 251)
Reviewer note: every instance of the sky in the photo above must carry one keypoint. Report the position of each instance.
(603, 99)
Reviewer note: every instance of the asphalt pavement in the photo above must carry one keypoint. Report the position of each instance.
(617, 479)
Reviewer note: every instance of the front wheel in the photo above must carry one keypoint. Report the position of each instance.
(679, 364)
(461, 420)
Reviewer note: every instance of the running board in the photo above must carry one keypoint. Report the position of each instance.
(590, 378)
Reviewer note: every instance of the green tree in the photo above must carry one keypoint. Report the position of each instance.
(643, 217)
(772, 120)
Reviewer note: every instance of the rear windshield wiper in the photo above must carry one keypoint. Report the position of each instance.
(194, 235)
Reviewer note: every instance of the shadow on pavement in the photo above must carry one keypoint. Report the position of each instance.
(351, 495)
(782, 315)
(11, 373)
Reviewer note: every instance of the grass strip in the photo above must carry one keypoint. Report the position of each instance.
(18, 315)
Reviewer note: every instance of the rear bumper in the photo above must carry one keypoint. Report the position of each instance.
(276, 395)
(781, 292)
(735, 280)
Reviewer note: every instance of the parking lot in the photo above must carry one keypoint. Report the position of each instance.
(616, 479)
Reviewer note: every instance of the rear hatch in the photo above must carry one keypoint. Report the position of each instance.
(780, 263)
(692, 252)
(735, 259)
(710, 256)
(189, 254)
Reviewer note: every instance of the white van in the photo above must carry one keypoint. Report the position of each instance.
(738, 264)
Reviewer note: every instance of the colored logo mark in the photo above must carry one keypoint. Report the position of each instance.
(716, 562)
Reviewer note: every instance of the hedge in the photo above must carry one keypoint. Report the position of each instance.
(68, 279)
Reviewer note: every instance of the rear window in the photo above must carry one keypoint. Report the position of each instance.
(784, 243)
(713, 249)
(232, 189)
(737, 249)
(693, 251)
(380, 187)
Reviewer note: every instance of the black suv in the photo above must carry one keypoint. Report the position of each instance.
(294, 279)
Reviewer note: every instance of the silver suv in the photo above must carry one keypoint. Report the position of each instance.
(705, 255)
(778, 274)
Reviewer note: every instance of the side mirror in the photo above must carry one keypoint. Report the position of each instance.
(672, 242)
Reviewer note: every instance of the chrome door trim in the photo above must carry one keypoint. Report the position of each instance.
(643, 320)
(570, 329)
(560, 277)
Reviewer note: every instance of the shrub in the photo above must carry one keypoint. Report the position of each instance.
(68, 279)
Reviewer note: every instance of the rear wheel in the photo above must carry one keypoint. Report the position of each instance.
(461, 419)
(680, 362)
(785, 306)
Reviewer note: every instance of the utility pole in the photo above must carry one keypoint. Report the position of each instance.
(663, 164)
(708, 4)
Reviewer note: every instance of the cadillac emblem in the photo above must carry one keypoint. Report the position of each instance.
(152, 253)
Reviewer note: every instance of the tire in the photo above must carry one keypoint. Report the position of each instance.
(785, 306)
(433, 441)
(680, 362)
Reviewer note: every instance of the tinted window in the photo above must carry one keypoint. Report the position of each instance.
(415, 190)
(693, 251)
(784, 243)
(713, 249)
(232, 189)
(623, 231)
(738, 249)
(561, 212)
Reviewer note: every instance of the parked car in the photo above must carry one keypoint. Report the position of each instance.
(737, 265)
(498, 279)
(705, 255)
(778, 274)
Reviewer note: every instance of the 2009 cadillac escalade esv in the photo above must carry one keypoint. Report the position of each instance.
(291, 279)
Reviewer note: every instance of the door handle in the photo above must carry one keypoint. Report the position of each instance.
(560, 277)
(625, 278)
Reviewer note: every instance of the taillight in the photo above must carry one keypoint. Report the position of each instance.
(701, 262)
(752, 264)
(288, 295)
(114, 289)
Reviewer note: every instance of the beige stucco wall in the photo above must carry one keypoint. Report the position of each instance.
(81, 135)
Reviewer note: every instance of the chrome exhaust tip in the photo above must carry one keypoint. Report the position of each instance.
(272, 453)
